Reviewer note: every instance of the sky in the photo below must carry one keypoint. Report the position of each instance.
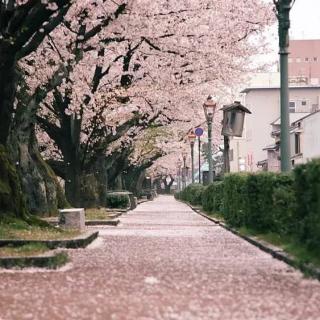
(305, 19)
(305, 24)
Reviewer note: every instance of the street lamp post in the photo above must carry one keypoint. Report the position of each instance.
(192, 138)
(184, 170)
(209, 108)
(179, 163)
(283, 8)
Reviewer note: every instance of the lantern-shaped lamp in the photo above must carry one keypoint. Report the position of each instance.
(233, 119)
(184, 155)
(192, 137)
(209, 108)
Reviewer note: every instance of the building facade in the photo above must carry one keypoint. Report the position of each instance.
(304, 62)
(248, 153)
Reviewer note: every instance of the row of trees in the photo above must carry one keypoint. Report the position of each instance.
(95, 91)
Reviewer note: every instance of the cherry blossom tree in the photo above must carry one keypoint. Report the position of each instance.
(97, 72)
(23, 26)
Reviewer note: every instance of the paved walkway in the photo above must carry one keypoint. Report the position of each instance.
(163, 262)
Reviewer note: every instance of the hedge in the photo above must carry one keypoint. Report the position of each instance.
(307, 187)
(287, 204)
(117, 200)
(192, 194)
(212, 198)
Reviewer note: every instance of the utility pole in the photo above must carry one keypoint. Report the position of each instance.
(282, 8)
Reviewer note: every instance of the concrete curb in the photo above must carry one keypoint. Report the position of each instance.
(102, 222)
(276, 252)
(79, 242)
(50, 261)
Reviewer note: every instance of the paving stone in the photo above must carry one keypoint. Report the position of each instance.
(163, 261)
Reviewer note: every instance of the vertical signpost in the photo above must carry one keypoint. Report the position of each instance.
(199, 133)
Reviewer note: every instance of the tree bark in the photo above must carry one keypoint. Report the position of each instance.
(12, 202)
(42, 190)
(8, 85)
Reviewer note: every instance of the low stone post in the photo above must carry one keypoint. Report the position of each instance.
(73, 218)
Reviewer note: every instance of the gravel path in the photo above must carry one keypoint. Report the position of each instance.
(162, 262)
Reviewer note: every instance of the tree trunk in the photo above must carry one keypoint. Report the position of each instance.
(73, 178)
(8, 85)
(42, 190)
(12, 202)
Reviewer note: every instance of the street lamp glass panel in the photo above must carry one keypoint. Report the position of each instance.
(192, 137)
(233, 119)
(209, 107)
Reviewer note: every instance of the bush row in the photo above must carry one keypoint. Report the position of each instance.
(287, 204)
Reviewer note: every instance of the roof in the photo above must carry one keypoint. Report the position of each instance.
(235, 105)
(262, 162)
(294, 116)
(271, 147)
(306, 116)
(246, 90)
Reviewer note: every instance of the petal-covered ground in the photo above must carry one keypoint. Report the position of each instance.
(162, 262)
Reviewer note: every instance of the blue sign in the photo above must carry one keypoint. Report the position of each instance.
(199, 132)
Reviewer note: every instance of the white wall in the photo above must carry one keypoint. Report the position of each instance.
(311, 137)
(264, 104)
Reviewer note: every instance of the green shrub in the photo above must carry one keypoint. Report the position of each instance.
(284, 205)
(117, 200)
(258, 201)
(192, 194)
(234, 199)
(307, 192)
(212, 198)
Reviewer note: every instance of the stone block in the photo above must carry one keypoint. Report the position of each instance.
(73, 218)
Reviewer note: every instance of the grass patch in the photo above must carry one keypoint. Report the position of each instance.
(97, 214)
(215, 215)
(27, 250)
(18, 229)
(301, 253)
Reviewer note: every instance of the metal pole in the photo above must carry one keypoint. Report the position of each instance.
(184, 184)
(210, 150)
(283, 8)
(192, 160)
(226, 149)
(199, 150)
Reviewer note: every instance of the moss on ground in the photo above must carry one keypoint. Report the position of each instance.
(33, 249)
(97, 214)
(18, 229)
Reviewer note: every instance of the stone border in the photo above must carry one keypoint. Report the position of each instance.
(79, 242)
(50, 261)
(110, 222)
(276, 252)
(102, 222)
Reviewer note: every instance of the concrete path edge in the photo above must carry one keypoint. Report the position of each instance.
(276, 252)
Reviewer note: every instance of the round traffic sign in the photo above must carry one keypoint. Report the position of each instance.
(198, 132)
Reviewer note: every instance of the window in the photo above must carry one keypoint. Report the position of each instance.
(290, 60)
(298, 60)
(303, 102)
(315, 59)
(306, 59)
(297, 148)
(292, 106)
